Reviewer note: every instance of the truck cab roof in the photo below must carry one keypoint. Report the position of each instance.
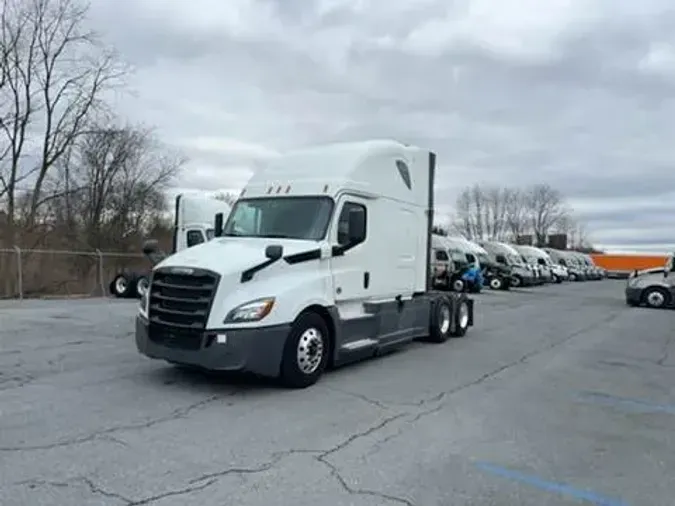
(365, 167)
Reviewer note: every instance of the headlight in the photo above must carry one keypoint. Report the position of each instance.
(252, 311)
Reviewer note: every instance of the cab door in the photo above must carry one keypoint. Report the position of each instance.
(351, 261)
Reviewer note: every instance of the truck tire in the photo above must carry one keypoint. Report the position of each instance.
(458, 285)
(122, 286)
(306, 351)
(141, 286)
(655, 297)
(496, 283)
(440, 321)
(462, 313)
(516, 281)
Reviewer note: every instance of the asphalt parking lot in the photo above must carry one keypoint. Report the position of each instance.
(560, 395)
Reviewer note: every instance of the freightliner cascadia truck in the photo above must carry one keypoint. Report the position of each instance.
(324, 259)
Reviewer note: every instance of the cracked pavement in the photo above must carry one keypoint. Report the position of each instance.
(563, 383)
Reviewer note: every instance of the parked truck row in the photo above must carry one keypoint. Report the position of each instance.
(463, 265)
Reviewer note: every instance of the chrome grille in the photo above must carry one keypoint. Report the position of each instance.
(179, 305)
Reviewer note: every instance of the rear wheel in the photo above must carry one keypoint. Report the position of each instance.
(516, 281)
(461, 318)
(458, 285)
(141, 286)
(496, 283)
(306, 351)
(441, 321)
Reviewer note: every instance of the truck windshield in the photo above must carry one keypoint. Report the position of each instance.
(280, 217)
(515, 260)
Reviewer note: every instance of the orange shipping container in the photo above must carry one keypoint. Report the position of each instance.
(627, 262)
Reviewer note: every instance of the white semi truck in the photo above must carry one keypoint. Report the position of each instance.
(324, 259)
(193, 225)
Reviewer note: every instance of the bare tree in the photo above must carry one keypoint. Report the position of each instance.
(469, 208)
(516, 212)
(545, 207)
(482, 212)
(56, 76)
(110, 186)
(228, 197)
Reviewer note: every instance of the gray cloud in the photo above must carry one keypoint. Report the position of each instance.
(580, 95)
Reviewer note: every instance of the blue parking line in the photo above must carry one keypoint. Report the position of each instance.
(633, 405)
(549, 486)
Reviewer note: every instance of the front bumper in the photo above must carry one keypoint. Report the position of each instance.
(633, 296)
(257, 351)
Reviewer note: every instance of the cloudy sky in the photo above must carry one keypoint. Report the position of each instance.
(576, 93)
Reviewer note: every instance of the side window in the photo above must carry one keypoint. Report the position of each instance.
(441, 255)
(501, 259)
(194, 237)
(352, 224)
(470, 258)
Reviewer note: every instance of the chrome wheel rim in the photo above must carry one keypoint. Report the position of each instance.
(655, 299)
(310, 351)
(142, 287)
(446, 317)
(463, 315)
(120, 285)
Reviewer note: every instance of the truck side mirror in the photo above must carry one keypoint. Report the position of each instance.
(357, 226)
(274, 251)
(218, 225)
(150, 247)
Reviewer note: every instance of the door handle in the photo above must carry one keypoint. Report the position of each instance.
(366, 280)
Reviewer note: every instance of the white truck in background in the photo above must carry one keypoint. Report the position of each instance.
(193, 225)
(325, 259)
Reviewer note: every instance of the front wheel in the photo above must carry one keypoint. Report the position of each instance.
(306, 352)
(458, 285)
(516, 281)
(656, 297)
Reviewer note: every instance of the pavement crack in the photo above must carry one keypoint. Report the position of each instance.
(173, 493)
(371, 430)
(496, 372)
(177, 414)
(82, 480)
(374, 402)
(665, 351)
(335, 473)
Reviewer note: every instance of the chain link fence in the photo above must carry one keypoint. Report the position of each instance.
(44, 273)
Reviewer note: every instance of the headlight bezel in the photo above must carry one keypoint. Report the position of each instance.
(251, 311)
